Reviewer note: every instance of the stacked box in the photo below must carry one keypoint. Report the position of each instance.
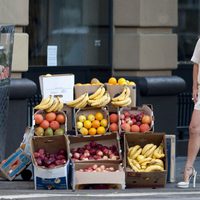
(50, 178)
(144, 179)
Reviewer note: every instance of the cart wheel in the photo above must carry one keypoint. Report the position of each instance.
(26, 175)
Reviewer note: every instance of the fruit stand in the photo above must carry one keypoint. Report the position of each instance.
(113, 145)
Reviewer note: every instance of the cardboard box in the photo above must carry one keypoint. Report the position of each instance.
(144, 179)
(146, 109)
(115, 179)
(107, 140)
(14, 164)
(115, 90)
(58, 84)
(90, 110)
(55, 178)
(171, 157)
(81, 89)
(43, 113)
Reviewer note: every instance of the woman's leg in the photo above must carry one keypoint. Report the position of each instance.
(193, 143)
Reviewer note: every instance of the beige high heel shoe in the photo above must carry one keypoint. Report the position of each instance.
(186, 184)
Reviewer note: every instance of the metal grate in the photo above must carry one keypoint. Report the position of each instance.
(4, 103)
(185, 108)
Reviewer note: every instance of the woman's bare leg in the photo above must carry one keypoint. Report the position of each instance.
(193, 143)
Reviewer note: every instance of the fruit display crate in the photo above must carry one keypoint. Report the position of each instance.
(100, 148)
(50, 158)
(136, 119)
(91, 175)
(49, 124)
(115, 90)
(144, 179)
(81, 117)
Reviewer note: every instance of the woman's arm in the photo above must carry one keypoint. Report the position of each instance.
(195, 82)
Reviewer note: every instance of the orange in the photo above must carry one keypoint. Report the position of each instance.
(112, 81)
(60, 118)
(51, 116)
(101, 130)
(92, 131)
(87, 124)
(99, 116)
(95, 123)
(122, 81)
(104, 122)
(83, 131)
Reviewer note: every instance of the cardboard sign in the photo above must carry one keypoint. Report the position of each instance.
(57, 85)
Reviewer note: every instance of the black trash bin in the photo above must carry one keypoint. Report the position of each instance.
(6, 49)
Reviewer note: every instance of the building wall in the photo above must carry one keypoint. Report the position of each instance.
(17, 13)
(143, 42)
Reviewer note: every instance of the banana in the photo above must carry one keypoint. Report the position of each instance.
(83, 103)
(96, 93)
(77, 100)
(132, 165)
(156, 153)
(128, 92)
(146, 148)
(132, 150)
(47, 105)
(43, 102)
(145, 160)
(150, 151)
(61, 105)
(54, 105)
(101, 94)
(145, 164)
(140, 158)
(136, 164)
(121, 96)
(128, 103)
(98, 102)
(103, 102)
(152, 168)
(157, 162)
(122, 103)
(138, 152)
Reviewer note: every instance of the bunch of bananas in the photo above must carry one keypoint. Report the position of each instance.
(146, 159)
(50, 104)
(99, 98)
(80, 102)
(123, 99)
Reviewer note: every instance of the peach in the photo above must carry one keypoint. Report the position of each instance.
(113, 118)
(126, 127)
(144, 128)
(135, 128)
(113, 127)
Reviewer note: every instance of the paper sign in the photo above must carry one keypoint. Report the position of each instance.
(52, 55)
(62, 85)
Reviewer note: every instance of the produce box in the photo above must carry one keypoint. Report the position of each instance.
(89, 123)
(49, 124)
(171, 157)
(91, 175)
(100, 148)
(14, 164)
(144, 179)
(136, 119)
(81, 89)
(50, 174)
(115, 90)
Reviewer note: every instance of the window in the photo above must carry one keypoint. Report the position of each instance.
(188, 29)
(81, 30)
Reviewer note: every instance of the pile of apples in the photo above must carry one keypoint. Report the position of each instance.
(47, 160)
(96, 168)
(131, 121)
(49, 124)
(95, 151)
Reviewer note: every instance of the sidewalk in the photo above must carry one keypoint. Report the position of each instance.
(19, 184)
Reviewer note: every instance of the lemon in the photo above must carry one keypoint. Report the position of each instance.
(112, 81)
(79, 125)
(104, 122)
(101, 130)
(82, 118)
(83, 131)
(87, 124)
(91, 117)
(121, 81)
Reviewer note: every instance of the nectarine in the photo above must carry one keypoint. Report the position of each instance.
(144, 128)
(135, 128)
(146, 119)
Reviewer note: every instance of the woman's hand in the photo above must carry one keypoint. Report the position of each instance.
(195, 95)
